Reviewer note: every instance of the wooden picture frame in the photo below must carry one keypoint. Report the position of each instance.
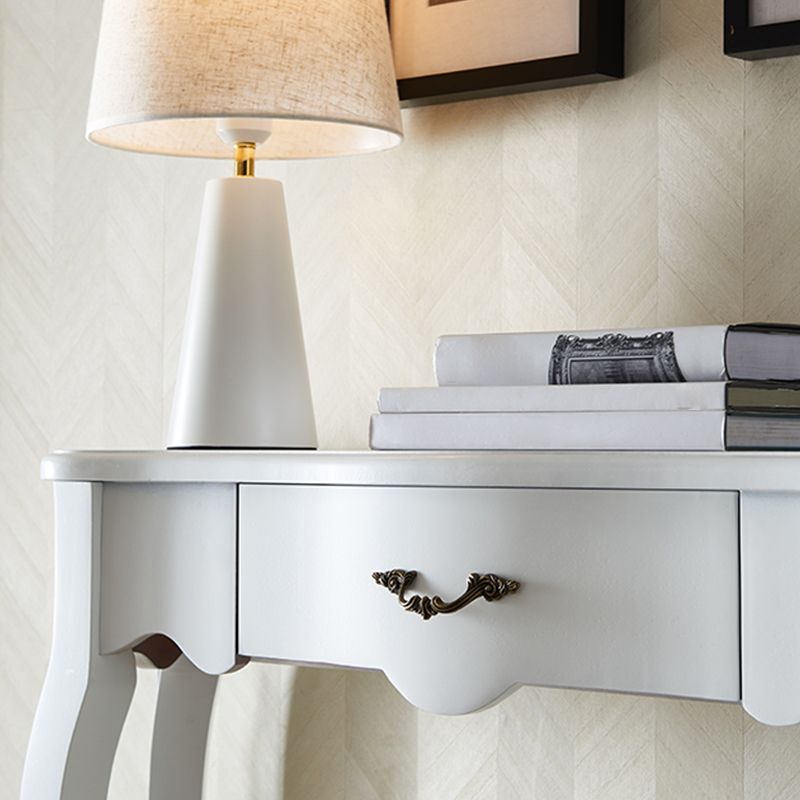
(748, 41)
(600, 57)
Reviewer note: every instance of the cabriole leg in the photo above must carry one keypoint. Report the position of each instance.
(770, 552)
(86, 696)
(185, 699)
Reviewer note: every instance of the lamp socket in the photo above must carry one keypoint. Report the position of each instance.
(233, 130)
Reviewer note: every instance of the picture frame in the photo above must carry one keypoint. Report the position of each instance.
(599, 57)
(756, 29)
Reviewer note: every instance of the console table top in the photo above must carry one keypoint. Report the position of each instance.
(746, 471)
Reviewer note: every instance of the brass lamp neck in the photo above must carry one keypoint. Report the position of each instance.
(245, 155)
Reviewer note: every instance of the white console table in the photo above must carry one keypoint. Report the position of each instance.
(657, 573)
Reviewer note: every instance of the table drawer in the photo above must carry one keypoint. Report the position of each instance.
(620, 590)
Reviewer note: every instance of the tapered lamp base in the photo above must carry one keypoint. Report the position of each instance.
(242, 379)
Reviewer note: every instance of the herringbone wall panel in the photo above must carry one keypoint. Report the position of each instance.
(670, 197)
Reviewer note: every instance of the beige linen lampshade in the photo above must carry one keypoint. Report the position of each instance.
(319, 72)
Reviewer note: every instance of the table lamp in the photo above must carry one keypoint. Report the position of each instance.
(244, 79)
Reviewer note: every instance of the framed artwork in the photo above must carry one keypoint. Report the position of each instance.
(447, 50)
(762, 28)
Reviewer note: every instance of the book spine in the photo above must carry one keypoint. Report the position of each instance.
(597, 397)
(601, 430)
(579, 357)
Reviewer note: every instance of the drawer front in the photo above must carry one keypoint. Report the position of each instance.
(620, 590)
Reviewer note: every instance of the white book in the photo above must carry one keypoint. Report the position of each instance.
(555, 430)
(755, 351)
(705, 396)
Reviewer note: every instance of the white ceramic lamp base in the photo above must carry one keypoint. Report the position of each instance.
(242, 379)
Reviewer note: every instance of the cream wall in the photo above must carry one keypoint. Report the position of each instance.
(671, 197)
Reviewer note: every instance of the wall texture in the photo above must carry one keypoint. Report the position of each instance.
(670, 197)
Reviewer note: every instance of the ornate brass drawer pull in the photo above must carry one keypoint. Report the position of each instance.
(490, 587)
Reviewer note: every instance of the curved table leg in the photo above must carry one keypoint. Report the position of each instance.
(185, 699)
(86, 696)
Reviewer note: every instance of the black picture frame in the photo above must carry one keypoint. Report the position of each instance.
(600, 57)
(757, 41)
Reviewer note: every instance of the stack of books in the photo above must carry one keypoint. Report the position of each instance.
(711, 387)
